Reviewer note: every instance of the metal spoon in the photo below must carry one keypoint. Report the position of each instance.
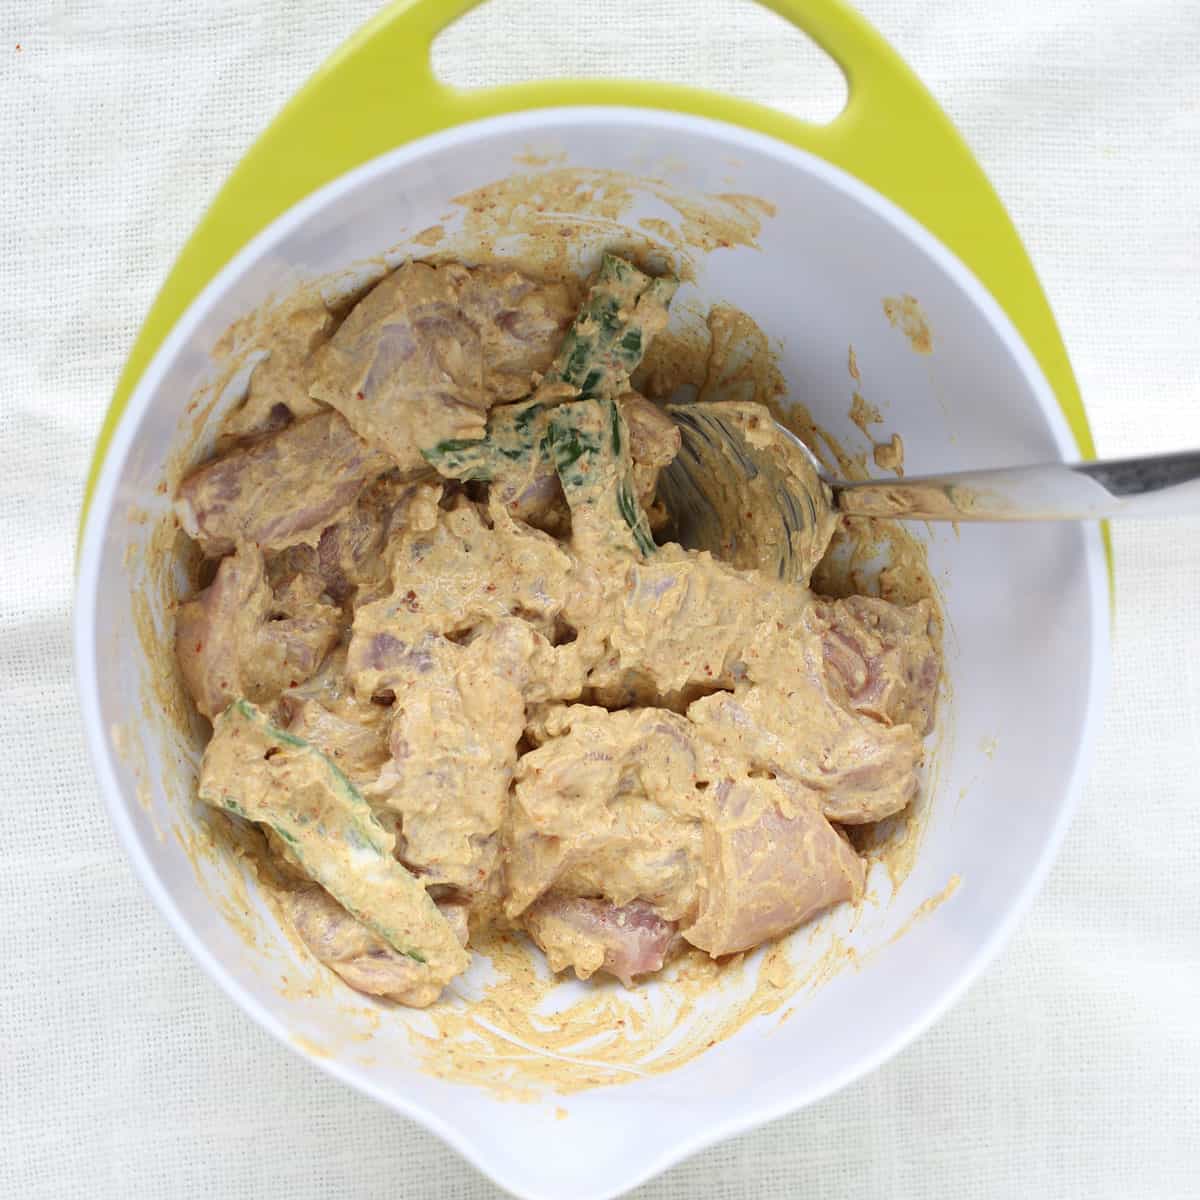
(752, 492)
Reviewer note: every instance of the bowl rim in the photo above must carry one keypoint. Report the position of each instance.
(90, 567)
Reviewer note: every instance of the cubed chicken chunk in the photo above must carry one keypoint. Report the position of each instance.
(237, 638)
(280, 489)
(429, 350)
(884, 656)
(591, 935)
(363, 959)
(771, 862)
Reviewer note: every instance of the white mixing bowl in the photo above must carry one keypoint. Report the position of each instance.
(1026, 643)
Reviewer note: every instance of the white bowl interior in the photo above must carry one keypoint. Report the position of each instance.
(1025, 643)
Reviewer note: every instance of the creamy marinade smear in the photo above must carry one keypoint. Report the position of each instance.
(457, 681)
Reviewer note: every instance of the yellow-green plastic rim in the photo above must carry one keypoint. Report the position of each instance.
(378, 91)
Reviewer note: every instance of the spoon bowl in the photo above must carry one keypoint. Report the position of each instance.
(751, 492)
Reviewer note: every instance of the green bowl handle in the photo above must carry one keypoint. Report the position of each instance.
(378, 91)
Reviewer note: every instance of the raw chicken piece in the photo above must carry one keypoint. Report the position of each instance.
(633, 806)
(299, 629)
(429, 350)
(458, 716)
(281, 375)
(539, 502)
(883, 656)
(351, 555)
(771, 861)
(349, 552)
(662, 631)
(208, 630)
(236, 638)
(521, 326)
(448, 775)
(364, 960)
(458, 916)
(788, 719)
(609, 804)
(595, 935)
(862, 770)
(351, 733)
(471, 567)
(281, 489)
(448, 580)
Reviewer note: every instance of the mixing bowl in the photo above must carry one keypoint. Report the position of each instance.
(882, 204)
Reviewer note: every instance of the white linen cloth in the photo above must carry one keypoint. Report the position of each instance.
(1072, 1069)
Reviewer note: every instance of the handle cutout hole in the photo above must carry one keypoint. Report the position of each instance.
(733, 46)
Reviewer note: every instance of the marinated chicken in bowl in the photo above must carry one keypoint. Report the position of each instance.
(459, 677)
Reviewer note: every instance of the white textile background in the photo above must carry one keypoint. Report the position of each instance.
(1072, 1069)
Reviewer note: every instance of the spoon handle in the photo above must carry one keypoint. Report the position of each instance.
(1161, 485)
